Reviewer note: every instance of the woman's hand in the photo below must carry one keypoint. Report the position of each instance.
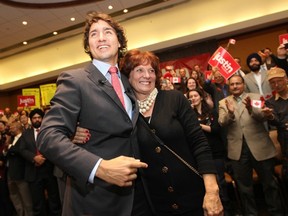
(212, 204)
(81, 136)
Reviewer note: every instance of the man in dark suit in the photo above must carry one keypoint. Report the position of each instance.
(102, 173)
(6, 205)
(18, 187)
(39, 171)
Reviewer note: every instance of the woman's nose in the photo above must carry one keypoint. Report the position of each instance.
(146, 73)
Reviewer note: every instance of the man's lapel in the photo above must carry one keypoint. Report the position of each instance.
(101, 82)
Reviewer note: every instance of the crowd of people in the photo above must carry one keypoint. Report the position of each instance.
(146, 143)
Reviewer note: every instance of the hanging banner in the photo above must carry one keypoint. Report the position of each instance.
(187, 63)
(47, 93)
(25, 101)
(225, 62)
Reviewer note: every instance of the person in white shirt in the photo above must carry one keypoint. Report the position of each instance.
(256, 81)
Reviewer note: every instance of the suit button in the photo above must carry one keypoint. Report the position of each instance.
(175, 206)
(165, 169)
(153, 131)
(170, 189)
(158, 149)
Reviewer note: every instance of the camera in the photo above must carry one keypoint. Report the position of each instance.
(286, 45)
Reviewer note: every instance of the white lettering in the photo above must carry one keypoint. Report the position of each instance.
(226, 65)
(27, 101)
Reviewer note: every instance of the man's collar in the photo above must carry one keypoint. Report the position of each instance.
(277, 96)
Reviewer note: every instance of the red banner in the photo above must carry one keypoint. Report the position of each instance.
(24, 101)
(225, 62)
(188, 62)
(283, 39)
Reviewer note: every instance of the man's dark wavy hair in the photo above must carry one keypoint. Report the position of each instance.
(94, 17)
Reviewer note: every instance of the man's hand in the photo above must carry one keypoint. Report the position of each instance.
(39, 160)
(268, 113)
(281, 51)
(230, 106)
(120, 171)
(247, 103)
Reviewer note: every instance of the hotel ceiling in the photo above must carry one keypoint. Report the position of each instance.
(45, 17)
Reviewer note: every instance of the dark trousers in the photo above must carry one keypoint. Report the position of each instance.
(37, 189)
(141, 205)
(6, 206)
(220, 167)
(243, 171)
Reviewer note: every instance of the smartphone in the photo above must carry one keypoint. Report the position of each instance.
(286, 45)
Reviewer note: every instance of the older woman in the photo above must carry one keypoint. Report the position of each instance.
(173, 187)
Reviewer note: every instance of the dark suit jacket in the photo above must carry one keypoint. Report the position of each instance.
(28, 151)
(16, 169)
(83, 97)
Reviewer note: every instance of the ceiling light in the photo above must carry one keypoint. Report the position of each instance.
(72, 19)
(24, 23)
(25, 43)
(125, 10)
(110, 7)
(55, 33)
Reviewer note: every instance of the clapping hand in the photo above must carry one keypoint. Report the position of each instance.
(230, 106)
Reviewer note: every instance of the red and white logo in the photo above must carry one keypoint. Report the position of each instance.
(283, 39)
(225, 62)
(257, 103)
(24, 101)
(175, 80)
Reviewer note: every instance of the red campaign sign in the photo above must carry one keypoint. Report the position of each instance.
(225, 62)
(24, 101)
(283, 39)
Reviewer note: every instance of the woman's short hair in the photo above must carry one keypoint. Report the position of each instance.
(135, 57)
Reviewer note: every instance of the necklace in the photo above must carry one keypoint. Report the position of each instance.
(145, 105)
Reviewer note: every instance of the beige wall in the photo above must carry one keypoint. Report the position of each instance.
(253, 42)
(192, 21)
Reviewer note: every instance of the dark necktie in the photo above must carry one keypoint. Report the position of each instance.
(116, 83)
